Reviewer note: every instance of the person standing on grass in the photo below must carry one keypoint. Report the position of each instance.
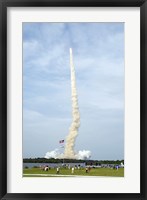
(46, 168)
(72, 170)
(57, 170)
(86, 169)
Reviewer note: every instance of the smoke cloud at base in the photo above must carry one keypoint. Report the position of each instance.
(53, 154)
(84, 154)
(80, 155)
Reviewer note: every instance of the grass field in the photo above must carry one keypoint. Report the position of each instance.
(37, 172)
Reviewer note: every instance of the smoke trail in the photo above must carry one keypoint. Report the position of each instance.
(73, 130)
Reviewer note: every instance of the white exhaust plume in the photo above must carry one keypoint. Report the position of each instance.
(69, 152)
(81, 155)
(73, 131)
(53, 154)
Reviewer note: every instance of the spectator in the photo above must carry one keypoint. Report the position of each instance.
(86, 170)
(46, 168)
(72, 170)
(57, 170)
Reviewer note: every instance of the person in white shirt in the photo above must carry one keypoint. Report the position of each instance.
(72, 170)
(57, 170)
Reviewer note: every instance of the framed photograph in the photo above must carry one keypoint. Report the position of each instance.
(73, 99)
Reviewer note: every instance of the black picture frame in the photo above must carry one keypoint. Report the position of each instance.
(4, 4)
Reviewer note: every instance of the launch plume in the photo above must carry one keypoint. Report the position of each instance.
(84, 154)
(56, 154)
(73, 130)
(53, 154)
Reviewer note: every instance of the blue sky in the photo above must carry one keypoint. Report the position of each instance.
(98, 51)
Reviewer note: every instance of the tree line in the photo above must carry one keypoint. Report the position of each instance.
(88, 162)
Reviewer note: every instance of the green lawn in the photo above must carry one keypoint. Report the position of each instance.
(37, 172)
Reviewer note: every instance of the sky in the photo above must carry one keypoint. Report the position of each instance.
(98, 53)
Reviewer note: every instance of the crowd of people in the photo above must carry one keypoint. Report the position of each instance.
(73, 168)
